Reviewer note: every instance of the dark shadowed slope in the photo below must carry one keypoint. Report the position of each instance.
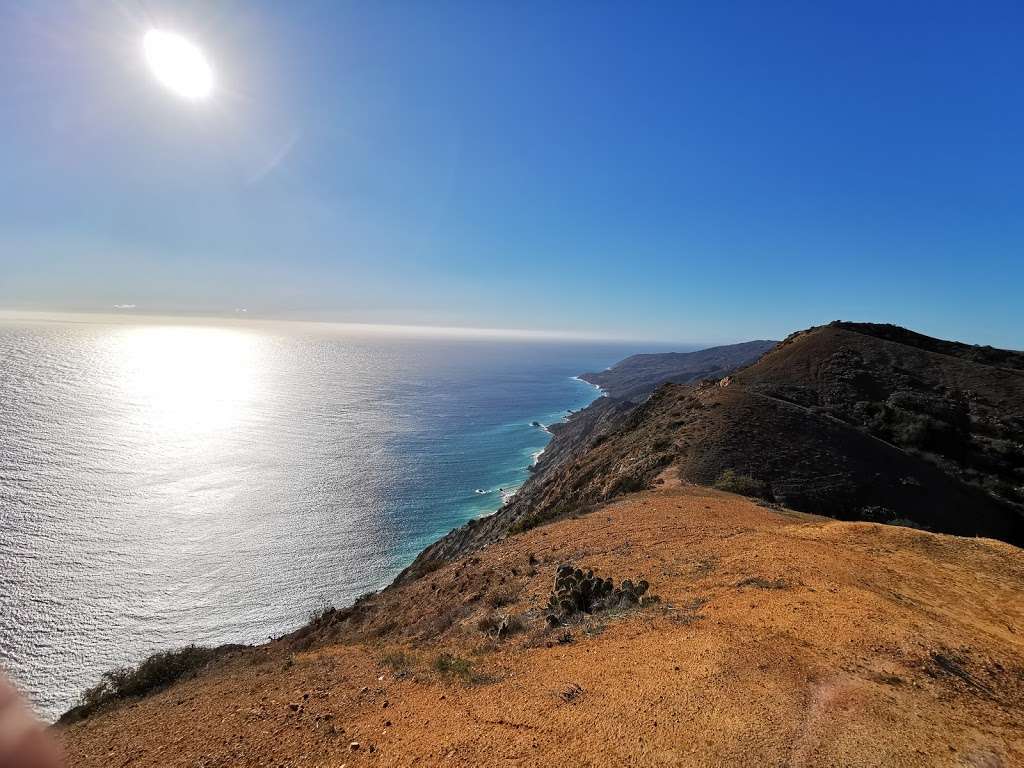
(637, 376)
(932, 399)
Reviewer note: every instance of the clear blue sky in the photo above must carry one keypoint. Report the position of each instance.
(685, 171)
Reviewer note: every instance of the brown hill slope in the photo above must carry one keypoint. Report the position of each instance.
(855, 421)
(638, 375)
(780, 639)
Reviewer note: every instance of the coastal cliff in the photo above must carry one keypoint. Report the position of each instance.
(856, 421)
(736, 570)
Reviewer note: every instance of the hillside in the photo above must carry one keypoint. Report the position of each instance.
(750, 632)
(637, 376)
(779, 639)
(855, 421)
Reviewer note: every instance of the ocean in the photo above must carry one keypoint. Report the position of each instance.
(169, 482)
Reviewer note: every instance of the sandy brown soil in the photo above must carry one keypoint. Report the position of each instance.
(782, 640)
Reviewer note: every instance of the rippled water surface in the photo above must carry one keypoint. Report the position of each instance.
(165, 483)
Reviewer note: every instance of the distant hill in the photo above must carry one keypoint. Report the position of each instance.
(855, 421)
(636, 377)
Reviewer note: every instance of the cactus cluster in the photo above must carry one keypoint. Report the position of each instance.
(576, 591)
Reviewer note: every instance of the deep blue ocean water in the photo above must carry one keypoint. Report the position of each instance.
(163, 483)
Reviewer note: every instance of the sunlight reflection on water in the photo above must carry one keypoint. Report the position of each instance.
(188, 384)
(165, 484)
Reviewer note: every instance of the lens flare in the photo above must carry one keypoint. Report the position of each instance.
(178, 64)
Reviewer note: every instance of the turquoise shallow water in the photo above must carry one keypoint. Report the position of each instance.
(166, 483)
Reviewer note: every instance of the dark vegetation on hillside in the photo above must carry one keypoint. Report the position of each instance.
(957, 407)
(852, 420)
(153, 674)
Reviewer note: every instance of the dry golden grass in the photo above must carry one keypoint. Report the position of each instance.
(782, 639)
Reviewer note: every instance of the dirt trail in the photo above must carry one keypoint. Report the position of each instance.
(782, 639)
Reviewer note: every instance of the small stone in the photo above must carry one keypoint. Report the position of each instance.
(294, 707)
(384, 705)
(364, 689)
(354, 746)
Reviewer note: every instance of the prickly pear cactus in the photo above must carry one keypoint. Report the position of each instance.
(577, 592)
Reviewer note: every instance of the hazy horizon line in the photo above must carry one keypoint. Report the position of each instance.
(126, 314)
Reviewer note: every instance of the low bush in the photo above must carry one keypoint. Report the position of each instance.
(154, 674)
(526, 522)
(499, 627)
(488, 623)
(399, 661)
(745, 485)
(499, 597)
(454, 666)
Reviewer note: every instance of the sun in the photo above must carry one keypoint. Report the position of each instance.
(178, 64)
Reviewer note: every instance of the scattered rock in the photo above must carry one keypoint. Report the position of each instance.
(759, 583)
(572, 693)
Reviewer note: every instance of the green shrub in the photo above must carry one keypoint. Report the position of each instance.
(526, 522)
(745, 485)
(322, 612)
(455, 666)
(399, 661)
(155, 673)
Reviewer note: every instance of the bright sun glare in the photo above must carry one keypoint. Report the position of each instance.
(178, 64)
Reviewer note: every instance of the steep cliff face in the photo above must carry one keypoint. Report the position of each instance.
(607, 449)
(547, 488)
(852, 420)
